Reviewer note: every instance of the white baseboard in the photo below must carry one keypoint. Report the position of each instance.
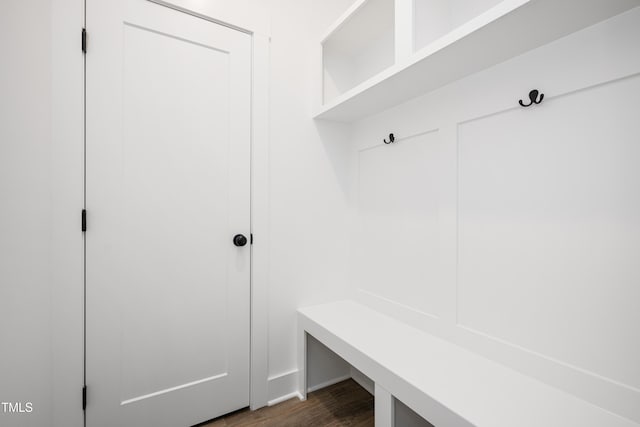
(285, 398)
(327, 383)
(285, 386)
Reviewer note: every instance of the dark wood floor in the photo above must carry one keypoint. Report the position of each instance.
(342, 404)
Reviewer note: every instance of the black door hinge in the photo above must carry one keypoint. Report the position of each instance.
(84, 398)
(251, 239)
(84, 40)
(84, 220)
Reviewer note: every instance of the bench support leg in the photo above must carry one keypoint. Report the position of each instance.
(302, 363)
(384, 408)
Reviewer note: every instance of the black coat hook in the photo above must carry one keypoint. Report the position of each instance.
(391, 139)
(533, 96)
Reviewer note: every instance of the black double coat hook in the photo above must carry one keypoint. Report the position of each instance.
(533, 98)
(391, 139)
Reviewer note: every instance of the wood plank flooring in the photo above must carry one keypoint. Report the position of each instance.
(342, 404)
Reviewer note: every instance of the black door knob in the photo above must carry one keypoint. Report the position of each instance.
(239, 240)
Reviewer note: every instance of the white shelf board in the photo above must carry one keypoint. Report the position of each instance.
(503, 32)
(365, 20)
(444, 383)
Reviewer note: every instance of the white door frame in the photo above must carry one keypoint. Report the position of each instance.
(68, 186)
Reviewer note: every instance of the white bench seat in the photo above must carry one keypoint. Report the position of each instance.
(444, 383)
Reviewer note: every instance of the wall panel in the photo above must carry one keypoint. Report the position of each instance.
(549, 228)
(398, 230)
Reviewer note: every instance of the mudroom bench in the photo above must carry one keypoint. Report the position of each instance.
(445, 384)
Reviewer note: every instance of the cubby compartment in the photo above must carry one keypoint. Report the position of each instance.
(357, 47)
(433, 19)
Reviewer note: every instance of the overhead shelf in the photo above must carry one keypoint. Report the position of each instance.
(504, 31)
(359, 46)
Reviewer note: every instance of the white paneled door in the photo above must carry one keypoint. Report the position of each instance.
(167, 189)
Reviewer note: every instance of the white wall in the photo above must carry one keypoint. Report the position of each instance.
(25, 210)
(309, 178)
(40, 197)
(516, 232)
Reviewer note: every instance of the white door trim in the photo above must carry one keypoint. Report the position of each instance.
(259, 370)
(67, 173)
